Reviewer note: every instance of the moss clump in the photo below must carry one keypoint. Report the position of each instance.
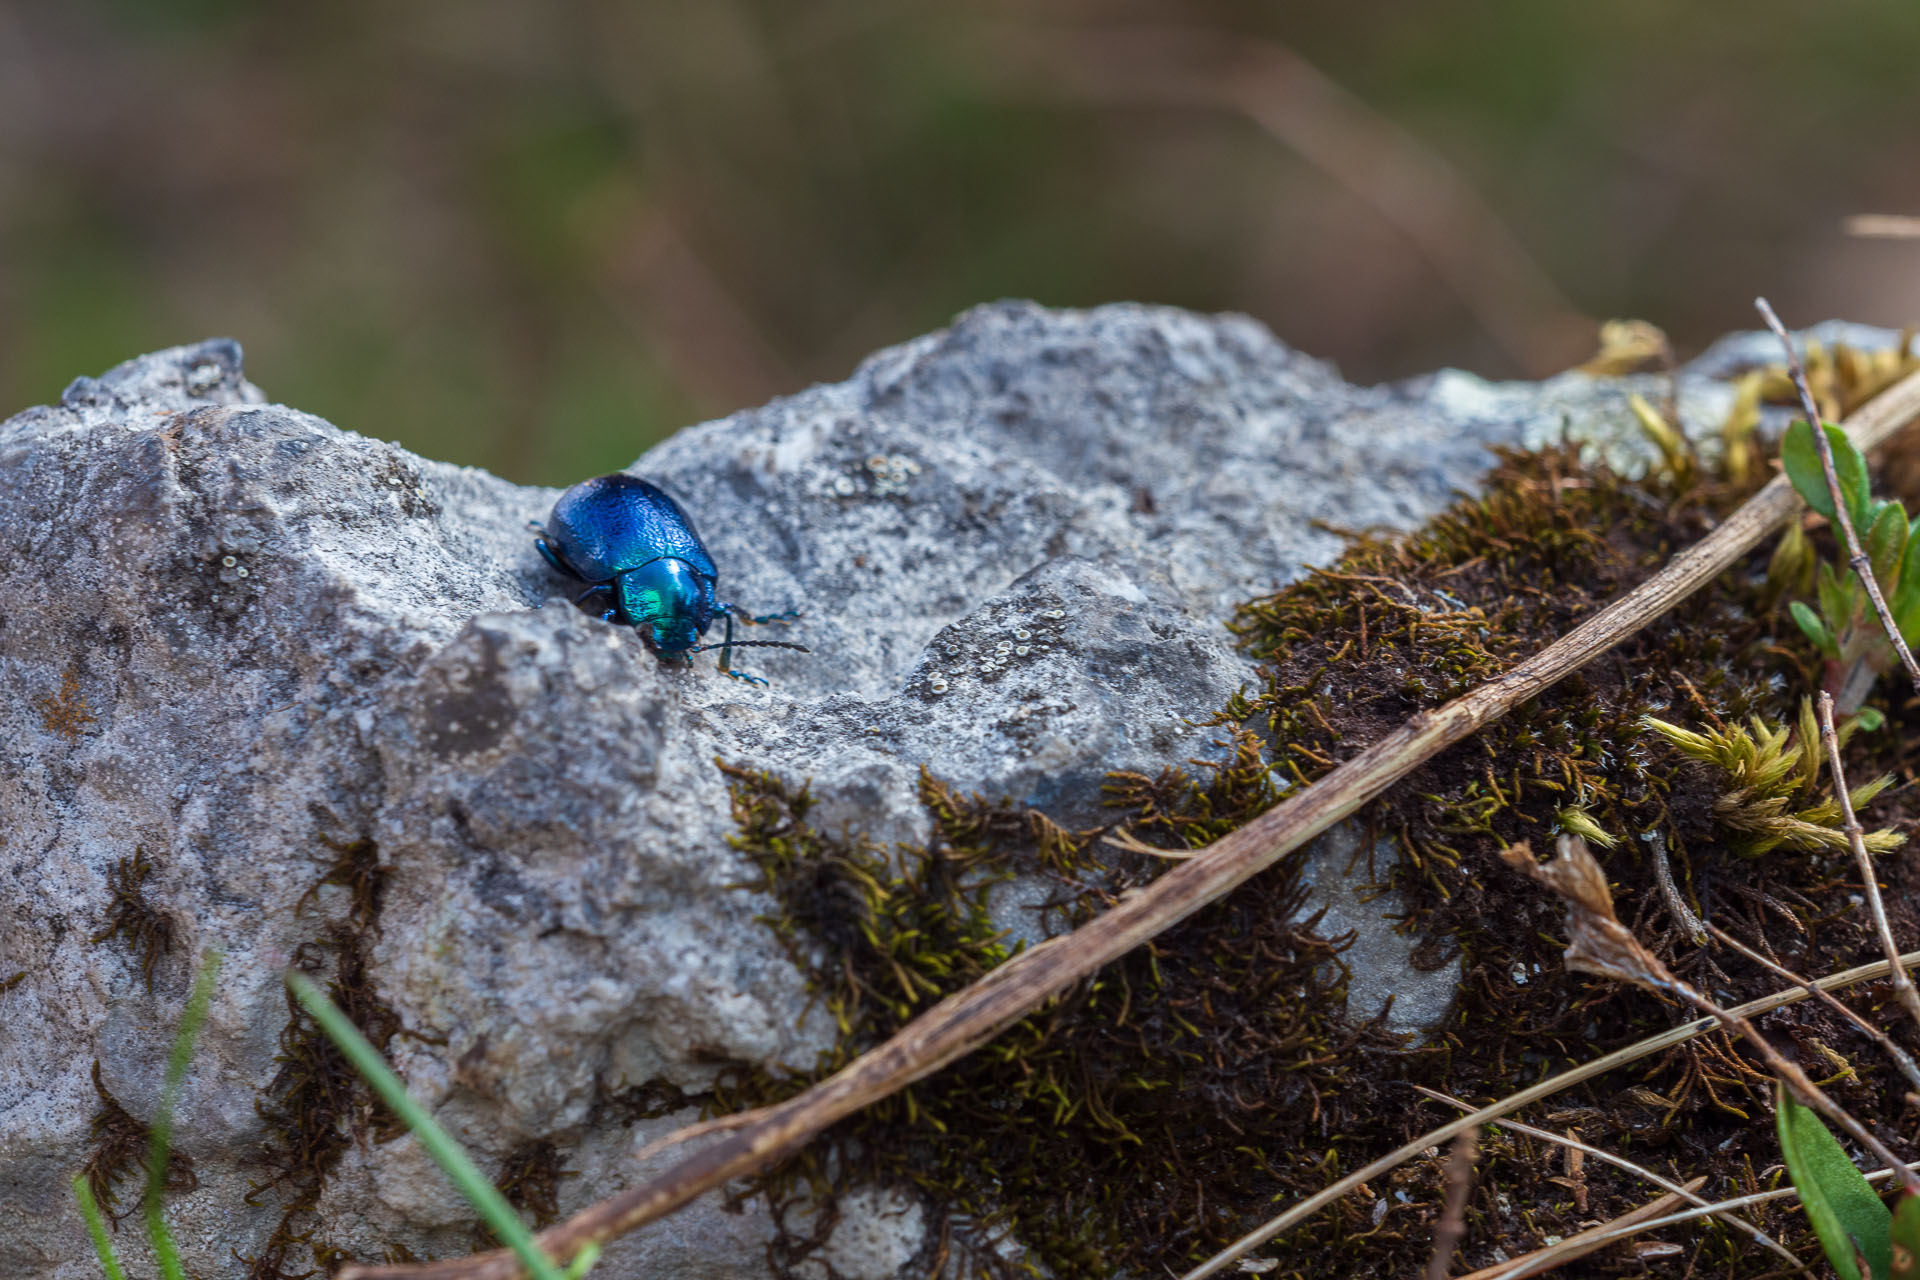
(120, 1148)
(1154, 1114)
(1125, 1123)
(1771, 777)
(148, 931)
(530, 1180)
(316, 1105)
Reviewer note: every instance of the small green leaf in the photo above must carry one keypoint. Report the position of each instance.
(1886, 545)
(1816, 630)
(1906, 617)
(1869, 719)
(1840, 1202)
(1906, 1238)
(1836, 598)
(1801, 459)
(1904, 597)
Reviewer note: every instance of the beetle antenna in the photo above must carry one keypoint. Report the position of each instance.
(749, 644)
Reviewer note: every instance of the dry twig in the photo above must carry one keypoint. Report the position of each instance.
(1884, 226)
(1576, 1147)
(1856, 553)
(1452, 1227)
(1901, 1058)
(1320, 1199)
(1580, 1244)
(1600, 944)
(1621, 1228)
(970, 1018)
(1903, 989)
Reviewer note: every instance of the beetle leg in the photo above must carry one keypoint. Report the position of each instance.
(726, 645)
(753, 620)
(742, 675)
(609, 615)
(552, 557)
(593, 590)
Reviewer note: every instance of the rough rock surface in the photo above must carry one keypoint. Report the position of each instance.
(241, 640)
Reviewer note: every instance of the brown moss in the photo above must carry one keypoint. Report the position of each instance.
(316, 1106)
(120, 1148)
(149, 932)
(529, 1179)
(1146, 1119)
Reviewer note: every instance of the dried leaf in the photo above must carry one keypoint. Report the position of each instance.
(1598, 942)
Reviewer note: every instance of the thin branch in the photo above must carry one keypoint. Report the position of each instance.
(1856, 554)
(1620, 1229)
(1493, 1111)
(1903, 989)
(1677, 907)
(1582, 1243)
(1901, 1058)
(1805, 1091)
(971, 1017)
(1884, 226)
(1621, 1162)
(1452, 1227)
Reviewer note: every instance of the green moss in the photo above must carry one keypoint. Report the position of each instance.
(1158, 1111)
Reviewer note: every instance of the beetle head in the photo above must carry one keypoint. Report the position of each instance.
(668, 602)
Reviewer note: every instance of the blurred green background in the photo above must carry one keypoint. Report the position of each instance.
(538, 236)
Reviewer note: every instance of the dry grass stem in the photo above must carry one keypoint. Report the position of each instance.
(1600, 944)
(1901, 1058)
(719, 1124)
(1585, 1242)
(1622, 1229)
(1884, 226)
(1903, 989)
(1677, 906)
(1576, 1147)
(1452, 1227)
(1493, 1111)
(1856, 554)
(970, 1018)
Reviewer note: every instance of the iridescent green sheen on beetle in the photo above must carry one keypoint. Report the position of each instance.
(634, 545)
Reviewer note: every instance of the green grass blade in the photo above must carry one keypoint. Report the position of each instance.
(160, 1144)
(1840, 1202)
(583, 1261)
(449, 1154)
(97, 1228)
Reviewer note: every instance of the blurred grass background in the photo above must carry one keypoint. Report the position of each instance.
(536, 236)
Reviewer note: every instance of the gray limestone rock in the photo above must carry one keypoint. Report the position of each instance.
(253, 646)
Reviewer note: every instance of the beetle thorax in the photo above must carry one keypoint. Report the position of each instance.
(668, 601)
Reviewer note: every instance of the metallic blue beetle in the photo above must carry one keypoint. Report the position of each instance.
(635, 545)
